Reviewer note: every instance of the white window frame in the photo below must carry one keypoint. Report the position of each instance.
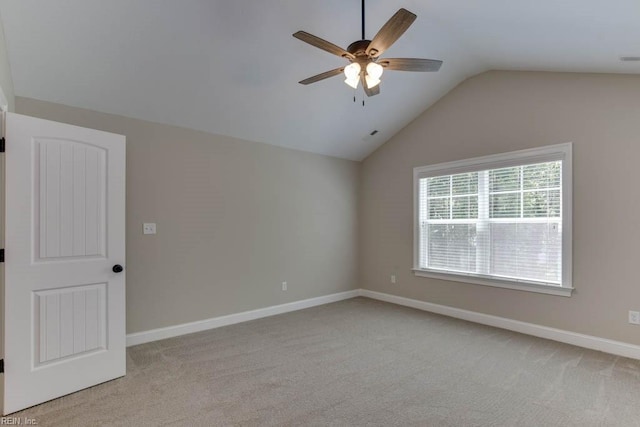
(562, 152)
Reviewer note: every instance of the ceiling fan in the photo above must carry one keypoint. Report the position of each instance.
(366, 66)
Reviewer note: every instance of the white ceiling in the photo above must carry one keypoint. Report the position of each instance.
(232, 67)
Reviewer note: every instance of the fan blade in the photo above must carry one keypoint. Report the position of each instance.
(322, 76)
(322, 44)
(410, 64)
(370, 92)
(390, 32)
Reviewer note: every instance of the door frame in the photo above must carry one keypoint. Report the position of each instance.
(3, 110)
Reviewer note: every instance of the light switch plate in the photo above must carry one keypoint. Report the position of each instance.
(149, 228)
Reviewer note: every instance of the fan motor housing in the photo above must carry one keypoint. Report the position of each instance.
(359, 48)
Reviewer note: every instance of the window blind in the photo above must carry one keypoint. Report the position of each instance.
(499, 223)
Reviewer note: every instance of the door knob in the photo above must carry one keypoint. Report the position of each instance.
(117, 268)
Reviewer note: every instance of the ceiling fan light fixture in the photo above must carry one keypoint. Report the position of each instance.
(371, 82)
(352, 81)
(352, 74)
(374, 72)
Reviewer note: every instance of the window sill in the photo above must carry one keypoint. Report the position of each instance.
(497, 283)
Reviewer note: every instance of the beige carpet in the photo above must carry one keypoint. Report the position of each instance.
(358, 362)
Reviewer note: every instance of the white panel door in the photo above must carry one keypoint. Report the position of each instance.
(65, 239)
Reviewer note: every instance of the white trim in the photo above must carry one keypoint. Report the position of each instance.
(520, 285)
(496, 161)
(216, 322)
(4, 104)
(618, 348)
(587, 341)
(567, 216)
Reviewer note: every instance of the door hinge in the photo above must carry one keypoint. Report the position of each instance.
(1, 255)
(2, 144)
(1, 366)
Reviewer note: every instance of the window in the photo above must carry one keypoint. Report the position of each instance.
(502, 220)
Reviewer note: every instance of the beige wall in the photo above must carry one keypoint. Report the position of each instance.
(6, 81)
(504, 111)
(235, 219)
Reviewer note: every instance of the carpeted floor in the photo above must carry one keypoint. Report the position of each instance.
(358, 362)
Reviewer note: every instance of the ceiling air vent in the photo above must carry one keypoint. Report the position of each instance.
(630, 58)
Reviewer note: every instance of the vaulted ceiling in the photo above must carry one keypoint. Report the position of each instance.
(232, 67)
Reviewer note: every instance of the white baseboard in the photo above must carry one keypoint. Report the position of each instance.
(216, 322)
(581, 340)
(587, 341)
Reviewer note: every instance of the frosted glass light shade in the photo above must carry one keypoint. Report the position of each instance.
(371, 82)
(374, 70)
(353, 82)
(352, 74)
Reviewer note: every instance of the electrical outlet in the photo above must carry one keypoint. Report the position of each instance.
(634, 317)
(284, 286)
(393, 278)
(149, 228)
